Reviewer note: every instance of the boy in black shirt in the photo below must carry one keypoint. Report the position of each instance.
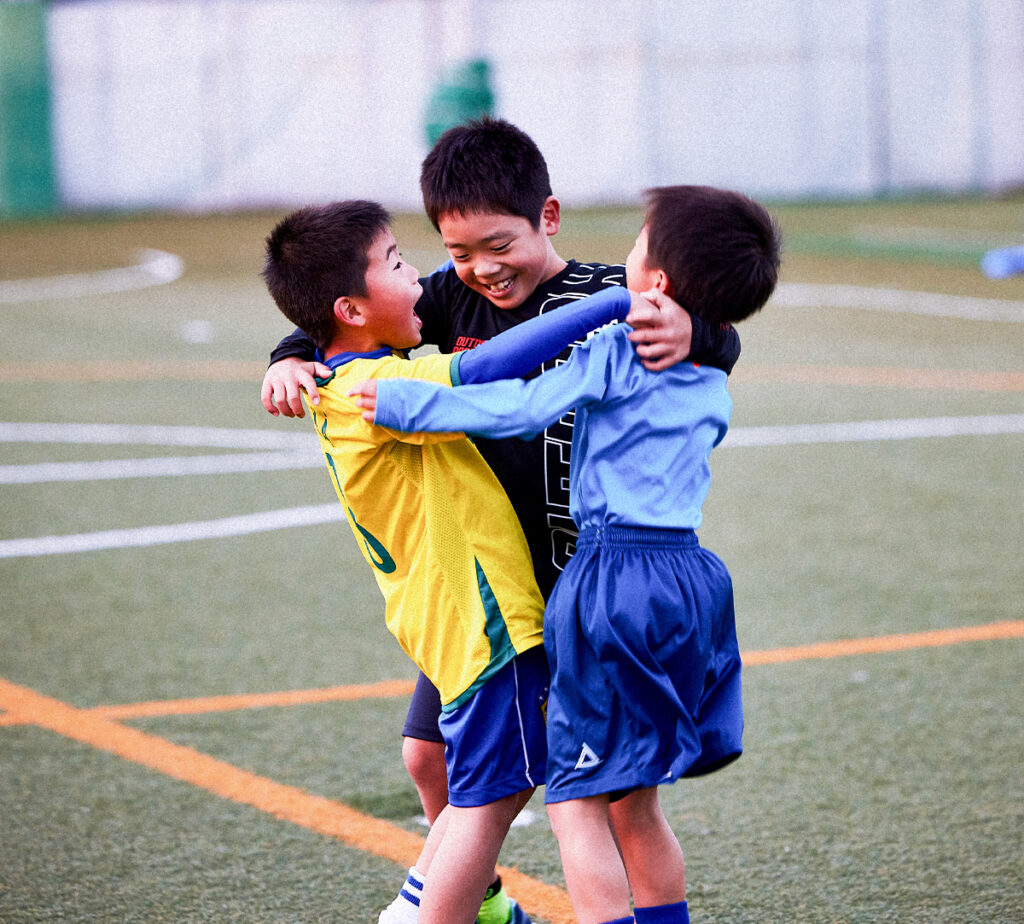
(486, 190)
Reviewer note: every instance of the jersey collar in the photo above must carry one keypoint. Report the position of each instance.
(340, 359)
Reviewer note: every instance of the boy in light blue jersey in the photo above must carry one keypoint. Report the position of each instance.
(640, 631)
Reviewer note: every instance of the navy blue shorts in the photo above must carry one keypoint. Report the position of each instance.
(640, 635)
(424, 711)
(496, 743)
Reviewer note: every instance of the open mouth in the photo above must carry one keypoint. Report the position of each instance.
(500, 288)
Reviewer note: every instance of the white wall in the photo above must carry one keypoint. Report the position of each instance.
(219, 103)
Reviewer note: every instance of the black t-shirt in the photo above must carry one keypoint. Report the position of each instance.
(534, 472)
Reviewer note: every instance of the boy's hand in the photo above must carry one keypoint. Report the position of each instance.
(365, 394)
(286, 380)
(661, 330)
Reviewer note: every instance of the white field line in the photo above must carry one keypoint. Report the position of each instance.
(910, 428)
(898, 301)
(176, 532)
(141, 435)
(154, 268)
(276, 451)
(784, 435)
(171, 467)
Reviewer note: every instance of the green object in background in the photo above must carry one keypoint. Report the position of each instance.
(26, 153)
(464, 93)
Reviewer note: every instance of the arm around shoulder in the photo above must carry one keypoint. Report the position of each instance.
(284, 383)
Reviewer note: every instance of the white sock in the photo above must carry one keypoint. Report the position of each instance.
(405, 909)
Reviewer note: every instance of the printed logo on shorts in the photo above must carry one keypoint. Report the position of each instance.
(587, 758)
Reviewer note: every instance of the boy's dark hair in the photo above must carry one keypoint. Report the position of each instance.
(487, 165)
(317, 254)
(719, 249)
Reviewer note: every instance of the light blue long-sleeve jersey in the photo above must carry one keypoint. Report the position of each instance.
(641, 440)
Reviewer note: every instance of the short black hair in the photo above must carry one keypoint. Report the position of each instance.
(487, 165)
(317, 254)
(718, 248)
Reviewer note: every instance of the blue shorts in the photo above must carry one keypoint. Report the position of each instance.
(496, 743)
(424, 711)
(645, 671)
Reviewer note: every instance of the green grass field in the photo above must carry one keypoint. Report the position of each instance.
(879, 594)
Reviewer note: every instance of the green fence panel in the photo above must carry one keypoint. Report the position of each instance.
(27, 184)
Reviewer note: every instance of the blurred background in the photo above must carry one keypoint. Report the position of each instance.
(225, 104)
(163, 538)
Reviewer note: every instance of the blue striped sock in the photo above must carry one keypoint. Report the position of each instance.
(412, 891)
(405, 909)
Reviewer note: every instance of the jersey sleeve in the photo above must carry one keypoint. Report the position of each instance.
(509, 407)
(716, 345)
(524, 347)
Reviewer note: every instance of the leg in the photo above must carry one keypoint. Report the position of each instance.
(424, 760)
(594, 871)
(462, 867)
(423, 748)
(423, 756)
(405, 907)
(496, 754)
(650, 850)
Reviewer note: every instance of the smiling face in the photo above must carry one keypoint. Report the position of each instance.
(392, 290)
(503, 257)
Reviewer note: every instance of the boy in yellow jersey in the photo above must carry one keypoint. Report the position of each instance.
(436, 528)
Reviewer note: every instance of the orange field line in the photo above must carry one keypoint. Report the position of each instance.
(96, 727)
(394, 688)
(383, 689)
(885, 643)
(287, 803)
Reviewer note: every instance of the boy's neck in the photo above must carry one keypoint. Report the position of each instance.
(353, 343)
(555, 264)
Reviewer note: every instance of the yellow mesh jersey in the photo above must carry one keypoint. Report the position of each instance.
(438, 531)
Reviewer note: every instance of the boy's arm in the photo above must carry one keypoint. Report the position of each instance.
(515, 352)
(716, 345)
(297, 343)
(511, 354)
(293, 370)
(666, 334)
(510, 407)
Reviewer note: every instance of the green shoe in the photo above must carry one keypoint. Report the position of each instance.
(498, 908)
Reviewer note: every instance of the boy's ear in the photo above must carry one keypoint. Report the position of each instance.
(551, 216)
(348, 312)
(663, 284)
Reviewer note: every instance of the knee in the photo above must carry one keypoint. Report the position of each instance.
(636, 812)
(424, 760)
